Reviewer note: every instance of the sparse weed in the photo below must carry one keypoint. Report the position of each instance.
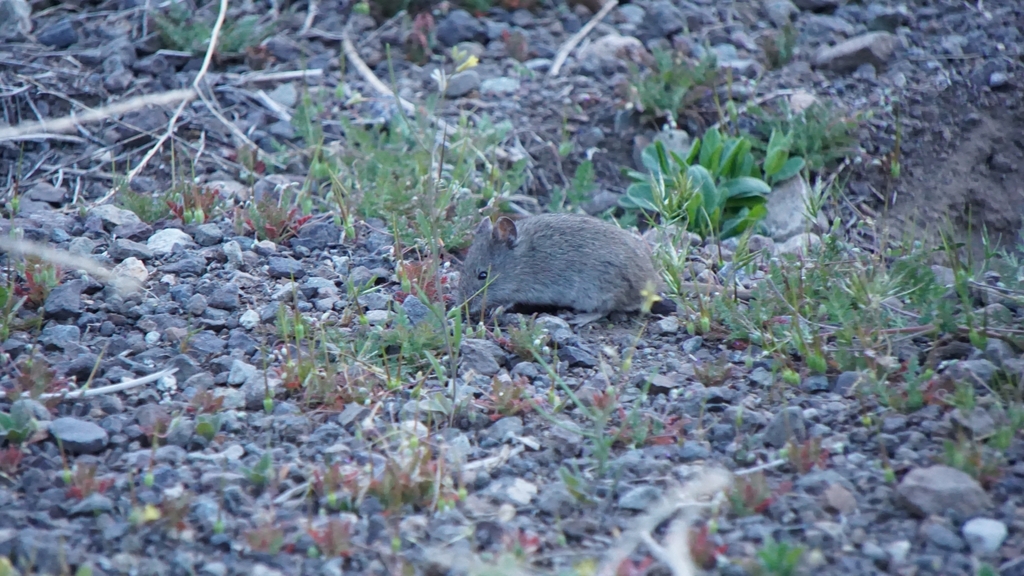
(190, 32)
(779, 558)
(672, 85)
(147, 207)
(751, 494)
(820, 134)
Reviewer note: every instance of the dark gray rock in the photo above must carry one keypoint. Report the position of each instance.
(60, 35)
(79, 436)
(460, 26)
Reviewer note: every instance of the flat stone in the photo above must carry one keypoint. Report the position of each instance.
(78, 436)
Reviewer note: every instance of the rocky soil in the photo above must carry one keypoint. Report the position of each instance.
(241, 462)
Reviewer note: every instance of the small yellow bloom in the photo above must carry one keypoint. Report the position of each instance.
(470, 62)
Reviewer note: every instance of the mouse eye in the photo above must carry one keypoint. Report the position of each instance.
(482, 275)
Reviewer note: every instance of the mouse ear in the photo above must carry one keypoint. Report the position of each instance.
(505, 231)
(483, 228)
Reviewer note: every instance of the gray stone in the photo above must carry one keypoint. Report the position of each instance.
(415, 310)
(787, 424)
(279, 267)
(873, 48)
(78, 436)
(481, 356)
(936, 489)
(65, 301)
(943, 537)
(208, 235)
(460, 26)
(639, 498)
(60, 35)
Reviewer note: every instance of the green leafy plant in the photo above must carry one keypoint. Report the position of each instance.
(17, 427)
(671, 84)
(779, 558)
(181, 29)
(147, 207)
(716, 189)
(820, 134)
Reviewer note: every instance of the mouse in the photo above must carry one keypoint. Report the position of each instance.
(568, 261)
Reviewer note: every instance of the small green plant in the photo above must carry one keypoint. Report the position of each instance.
(672, 85)
(183, 30)
(10, 304)
(147, 207)
(717, 189)
(272, 220)
(262, 472)
(779, 558)
(820, 134)
(578, 191)
(780, 46)
(17, 427)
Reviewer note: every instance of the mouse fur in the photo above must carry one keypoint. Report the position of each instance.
(560, 260)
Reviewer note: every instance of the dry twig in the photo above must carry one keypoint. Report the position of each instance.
(172, 124)
(90, 392)
(576, 38)
(71, 122)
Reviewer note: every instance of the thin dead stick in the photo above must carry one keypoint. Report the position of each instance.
(172, 124)
(28, 248)
(376, 84)
(283, 76)
(707, 484)
(69, 123)
(104, 389)
(578, 37)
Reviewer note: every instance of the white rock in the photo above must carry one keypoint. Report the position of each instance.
(984, 535)
(249, 319)
(800, 244)
(113, 216)
(162, 243)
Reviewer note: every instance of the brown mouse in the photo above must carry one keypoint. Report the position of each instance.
(559, 260)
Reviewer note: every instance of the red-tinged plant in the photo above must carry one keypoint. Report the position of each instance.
(271, 221)
(631, 568)
(10, 460)
(205, 402)
(335, 539)
(508, 399)
(516, 45)
(84, 482)
(421, 277)
(806, 455)
(195, 204)
(40, 279)
(752, 495)
(704, 552)
(521, 543)
(421, 38)
(266, 538)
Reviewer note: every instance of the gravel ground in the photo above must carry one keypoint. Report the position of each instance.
(242, 461)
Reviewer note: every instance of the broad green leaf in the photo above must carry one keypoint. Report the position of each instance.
(743, 187)
(711, 149)
(774, 160)
(748, 167)
(791, 168)
(704, 184)
(649, 158)
(739, 154)
(691, 156)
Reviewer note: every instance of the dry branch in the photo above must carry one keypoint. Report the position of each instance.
(578, 37)
(69, 123)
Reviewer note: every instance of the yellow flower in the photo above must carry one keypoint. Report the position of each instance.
(470, 62)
